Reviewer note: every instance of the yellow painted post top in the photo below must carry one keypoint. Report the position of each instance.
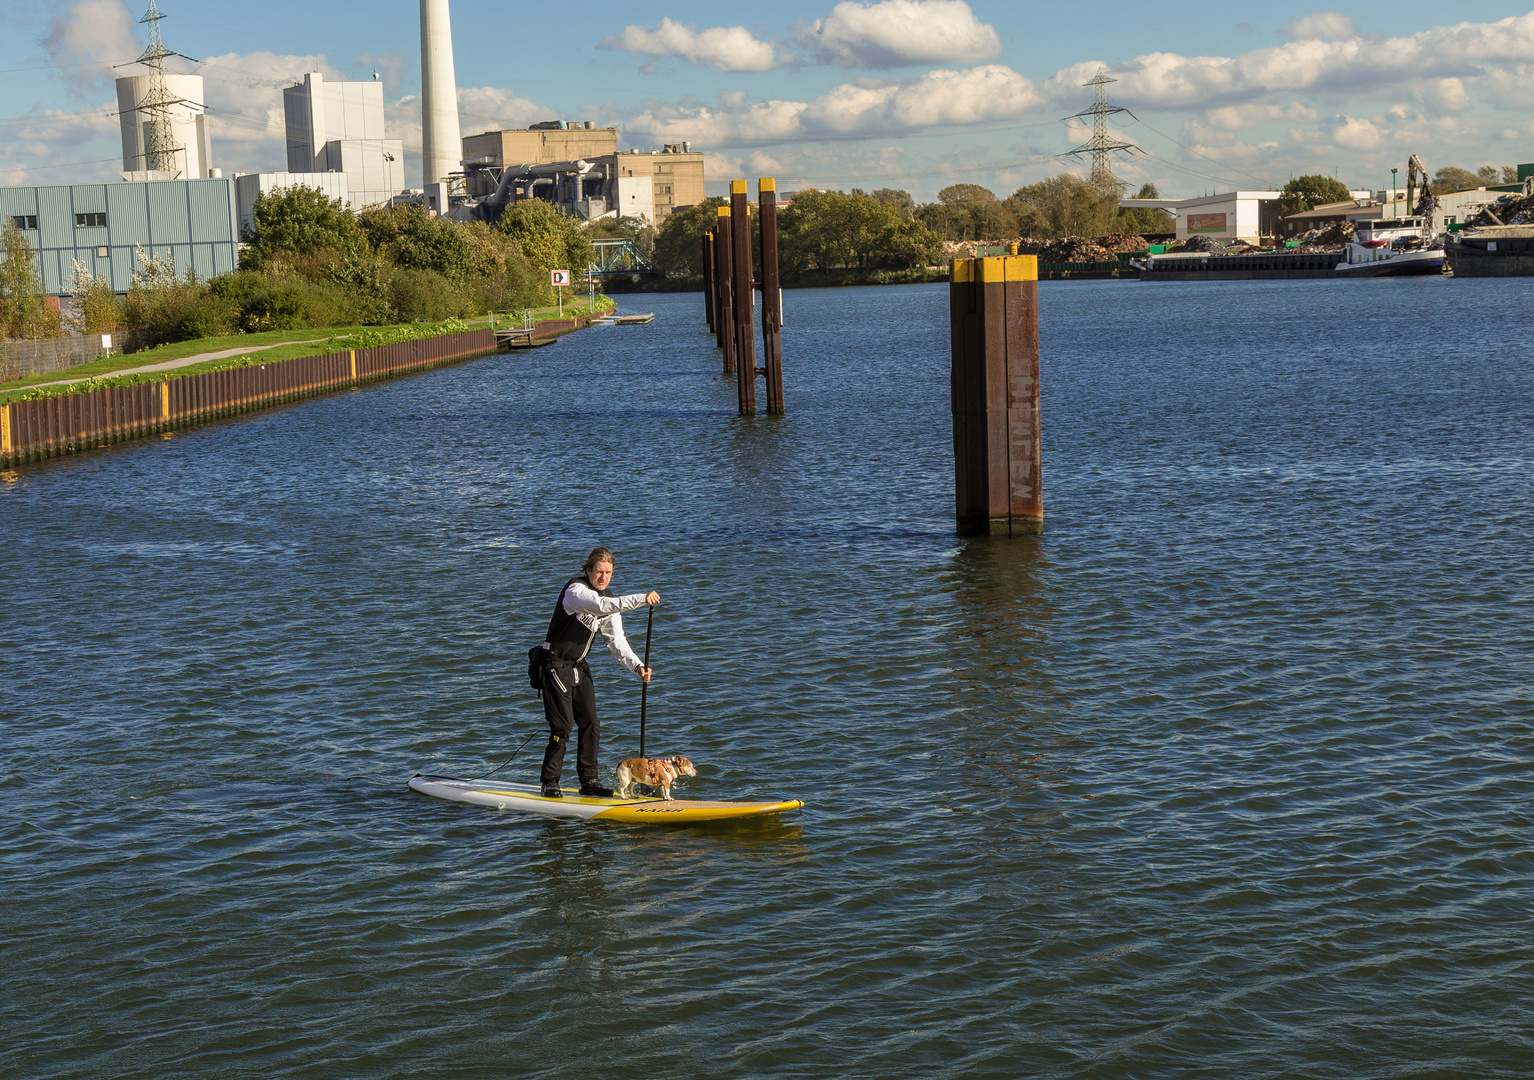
(724, 211)
(737, 187)
(5, 428)
(997, 268)
(165, 401)
(767, 183)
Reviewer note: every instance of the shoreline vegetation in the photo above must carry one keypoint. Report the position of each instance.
(257, 349)
(309, 264)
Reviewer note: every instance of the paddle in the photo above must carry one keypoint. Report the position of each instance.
(645, 686)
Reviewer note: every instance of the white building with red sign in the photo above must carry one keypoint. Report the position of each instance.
(1234, 215)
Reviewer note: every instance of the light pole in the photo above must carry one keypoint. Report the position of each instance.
(1394, 209)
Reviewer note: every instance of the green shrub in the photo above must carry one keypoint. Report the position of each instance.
(548, 239)
(298, 221)
(424, 294)
(167, 313)
(412, 239)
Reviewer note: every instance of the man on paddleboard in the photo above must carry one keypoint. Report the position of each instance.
(586, 608)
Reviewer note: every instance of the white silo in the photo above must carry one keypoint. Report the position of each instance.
(190, 155)
(442, 146)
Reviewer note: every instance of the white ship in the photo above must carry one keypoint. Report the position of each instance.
(1404, 246)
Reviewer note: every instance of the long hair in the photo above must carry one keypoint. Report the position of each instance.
(598, 554)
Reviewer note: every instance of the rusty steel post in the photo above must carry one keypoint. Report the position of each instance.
(997, 447)
(724, 303)
(707, 267)
(772, 293)
(721, 271)
(745, 298)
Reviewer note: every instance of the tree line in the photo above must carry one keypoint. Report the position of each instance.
(878, 232)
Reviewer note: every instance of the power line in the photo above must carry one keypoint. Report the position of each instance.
(1264, 180)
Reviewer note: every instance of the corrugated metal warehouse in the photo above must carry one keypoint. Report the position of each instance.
(102, 225)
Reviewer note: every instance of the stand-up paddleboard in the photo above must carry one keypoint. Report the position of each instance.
(527, 799)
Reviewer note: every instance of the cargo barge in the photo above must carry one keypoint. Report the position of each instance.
(1493, 251)
(1206, 267)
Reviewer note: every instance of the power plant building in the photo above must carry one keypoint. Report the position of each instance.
(193, 154)
(577, 166)
(102, 226)
(338, 127)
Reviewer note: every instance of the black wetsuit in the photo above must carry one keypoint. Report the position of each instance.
(569, 699)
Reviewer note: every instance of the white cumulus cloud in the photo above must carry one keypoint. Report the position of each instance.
(1242, 117)
(728, 48)
(1324, 25)
(940, 97)
(1341, 67)
(900, 33)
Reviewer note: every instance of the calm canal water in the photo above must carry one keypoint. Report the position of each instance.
(1225, 775)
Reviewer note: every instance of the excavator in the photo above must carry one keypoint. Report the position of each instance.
(1415, 170)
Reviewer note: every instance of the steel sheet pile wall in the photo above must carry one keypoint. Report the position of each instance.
(30, 430)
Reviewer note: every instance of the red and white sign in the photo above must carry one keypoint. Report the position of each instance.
(559, 277)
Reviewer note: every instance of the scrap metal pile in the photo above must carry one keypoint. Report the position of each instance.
(1331, 237)
(1210, 245)
(1070, 249)
(1515, 209)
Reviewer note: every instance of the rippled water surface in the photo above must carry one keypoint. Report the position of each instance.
(1225, 775)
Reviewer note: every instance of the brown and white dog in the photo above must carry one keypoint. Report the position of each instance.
(656, 772)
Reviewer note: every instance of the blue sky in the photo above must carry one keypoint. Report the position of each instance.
(915, 94)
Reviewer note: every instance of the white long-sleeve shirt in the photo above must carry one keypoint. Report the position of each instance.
(603, 614)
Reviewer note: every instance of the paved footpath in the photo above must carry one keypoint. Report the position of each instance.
(185, 361)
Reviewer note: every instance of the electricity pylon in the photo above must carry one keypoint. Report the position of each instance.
(1101, 144)
(160, 148)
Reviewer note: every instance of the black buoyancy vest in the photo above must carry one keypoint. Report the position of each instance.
(569, 639)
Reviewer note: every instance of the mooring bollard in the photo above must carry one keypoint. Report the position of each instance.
(745, 298)
(724, 299)
(772, 293)
(707, 267)
(993, 306)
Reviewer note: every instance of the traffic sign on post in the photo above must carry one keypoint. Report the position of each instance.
(559, 279)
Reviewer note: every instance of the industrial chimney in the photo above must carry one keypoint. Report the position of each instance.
(442, 146)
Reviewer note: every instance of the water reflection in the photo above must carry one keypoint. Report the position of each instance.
(998, 653)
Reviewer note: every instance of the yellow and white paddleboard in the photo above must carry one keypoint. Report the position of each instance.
(527, 799)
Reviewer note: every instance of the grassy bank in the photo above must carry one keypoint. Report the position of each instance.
(267, 347)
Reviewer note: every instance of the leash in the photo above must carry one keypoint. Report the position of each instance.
(645, 686)
(508, 761)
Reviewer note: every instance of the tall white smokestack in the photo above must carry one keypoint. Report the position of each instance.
(442, 145)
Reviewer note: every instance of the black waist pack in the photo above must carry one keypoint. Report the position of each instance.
(537, 656)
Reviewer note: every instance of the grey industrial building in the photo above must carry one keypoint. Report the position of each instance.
(102, 226)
